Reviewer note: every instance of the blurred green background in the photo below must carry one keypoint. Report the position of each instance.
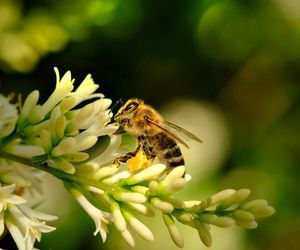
(228, 71)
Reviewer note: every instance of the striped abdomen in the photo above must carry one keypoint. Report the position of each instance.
(166, 149)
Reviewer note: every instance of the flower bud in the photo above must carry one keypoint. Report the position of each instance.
(216, 221)
(146, 174)
(175, 174)
(173, 230)
(87, 169)
(191, 204)
(128, 238)
(140, 189)
(117, 177)
(120, 222)
(138, 226)
(130, 196)
(177, 203)
(243, 215)
(141, 208)
(153, 187)
(204, 234)
(176, 185)
(46, 140)
(164, 206)
(220, 196)
(105, 172)
(64, 165)
(77, 157)
(247, 224)
(236, 198)
(66, 145)
(262, 211)
(183, 217)
(29, 104)
(60, 127)
(254, 203)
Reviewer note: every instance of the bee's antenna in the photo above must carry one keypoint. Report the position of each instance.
(116, 104)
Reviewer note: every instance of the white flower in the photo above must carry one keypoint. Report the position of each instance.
(8, 197)
(28, 105)
(24, 224)
(32, 175)
(100, 218)
(63, 87)
(27, 225)
(92, 113)
(8, 117)
(111, 152)
(85, 90)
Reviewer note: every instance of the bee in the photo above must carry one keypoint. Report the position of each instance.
(155, 136)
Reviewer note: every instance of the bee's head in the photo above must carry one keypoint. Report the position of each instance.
(127, 111)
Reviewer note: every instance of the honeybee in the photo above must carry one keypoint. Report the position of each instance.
(155, 137)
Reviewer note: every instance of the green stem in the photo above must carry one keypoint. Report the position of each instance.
(55, 172)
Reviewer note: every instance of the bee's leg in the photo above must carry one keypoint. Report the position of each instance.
(126, 157)
(148, 152)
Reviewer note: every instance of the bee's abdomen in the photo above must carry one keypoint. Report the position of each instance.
(167, 150)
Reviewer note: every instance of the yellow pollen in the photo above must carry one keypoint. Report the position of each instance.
(138, 162)
(34, 233)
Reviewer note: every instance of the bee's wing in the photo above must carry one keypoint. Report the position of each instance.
(182, 131)
(164, 128)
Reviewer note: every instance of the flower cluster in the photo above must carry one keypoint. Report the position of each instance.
(59, 129)
(125, 195)
(62, 138)
(24, 223)
(54, 134)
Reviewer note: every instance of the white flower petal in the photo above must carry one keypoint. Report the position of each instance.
(7, 189)
(63, 88)
(100, 218)
(67, 145)
(16, 234)
(31, 213)
(84, 142)
(15, 199)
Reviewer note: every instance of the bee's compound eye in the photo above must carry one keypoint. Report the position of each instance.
(132, 105)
